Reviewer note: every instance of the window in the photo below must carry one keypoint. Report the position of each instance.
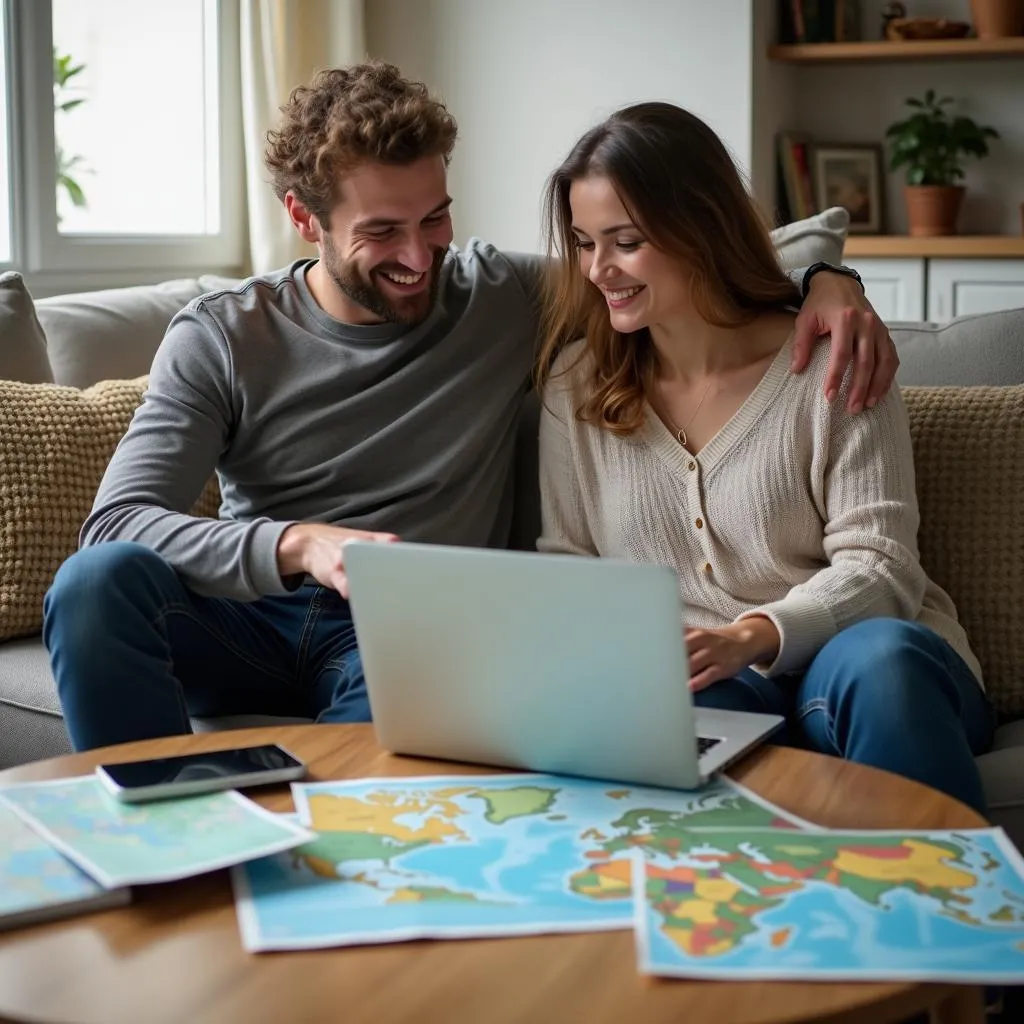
(127, 136)
(5, 173)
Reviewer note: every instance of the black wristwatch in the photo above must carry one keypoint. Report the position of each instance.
(815, 268)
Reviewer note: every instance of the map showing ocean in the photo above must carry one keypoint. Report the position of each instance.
(835, 905)
(460, 856)
(716, 882)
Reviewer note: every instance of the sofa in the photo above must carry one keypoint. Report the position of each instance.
(78, 362)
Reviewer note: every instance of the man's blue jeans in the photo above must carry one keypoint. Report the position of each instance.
(885, 693)
(135, 652)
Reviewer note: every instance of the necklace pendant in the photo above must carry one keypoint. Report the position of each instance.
(681, 436)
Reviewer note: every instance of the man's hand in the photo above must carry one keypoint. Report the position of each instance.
(721, 653)
(318, 550)
(836, 304)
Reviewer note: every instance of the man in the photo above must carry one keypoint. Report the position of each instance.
(374, 392)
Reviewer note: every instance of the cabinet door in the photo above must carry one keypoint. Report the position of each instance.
(962, 287)
(895, 287)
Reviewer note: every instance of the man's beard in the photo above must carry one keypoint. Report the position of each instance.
(411, 310)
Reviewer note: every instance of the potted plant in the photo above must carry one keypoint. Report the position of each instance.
(932, 144)
(995, 19)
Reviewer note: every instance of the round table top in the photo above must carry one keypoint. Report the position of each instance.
(174, 954)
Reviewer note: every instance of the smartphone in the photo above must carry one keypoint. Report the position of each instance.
(187, 774)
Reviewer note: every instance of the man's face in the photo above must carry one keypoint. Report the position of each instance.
(387, 240)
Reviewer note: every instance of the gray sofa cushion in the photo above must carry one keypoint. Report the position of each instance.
(1002, 776)
(22, 343)
(31, 727)
(111, 334)
(987, 348)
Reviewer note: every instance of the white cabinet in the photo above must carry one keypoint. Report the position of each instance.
(962, 287)
(938, 288)
(895, 287)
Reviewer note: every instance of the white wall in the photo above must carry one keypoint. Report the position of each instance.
(857, 102)
(524, 78)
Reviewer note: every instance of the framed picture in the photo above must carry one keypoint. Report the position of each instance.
(850, 176)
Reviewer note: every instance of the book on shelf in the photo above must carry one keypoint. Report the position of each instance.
(795, 189)
(819, 21)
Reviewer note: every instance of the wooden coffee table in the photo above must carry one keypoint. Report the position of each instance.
(174, 954)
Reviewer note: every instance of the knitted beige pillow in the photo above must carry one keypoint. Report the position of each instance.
(55, 443)
(969, 465)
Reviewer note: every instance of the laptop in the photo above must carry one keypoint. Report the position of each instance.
(544, 662)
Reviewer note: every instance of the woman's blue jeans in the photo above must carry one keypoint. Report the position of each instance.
(886, 693)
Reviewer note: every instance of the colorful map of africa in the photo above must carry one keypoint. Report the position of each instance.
(708, 909)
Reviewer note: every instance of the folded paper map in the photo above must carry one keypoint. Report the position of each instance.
(38, 884)
(130, 844)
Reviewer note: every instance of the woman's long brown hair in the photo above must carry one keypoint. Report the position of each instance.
(681, 188)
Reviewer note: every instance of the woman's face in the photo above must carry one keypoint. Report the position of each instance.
(641, 285)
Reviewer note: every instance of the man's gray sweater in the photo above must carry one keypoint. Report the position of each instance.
(391, 428)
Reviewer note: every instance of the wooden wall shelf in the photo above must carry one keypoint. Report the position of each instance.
(951, 246)
(882, 50)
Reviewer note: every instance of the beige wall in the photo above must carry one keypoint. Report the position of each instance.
(525, 78)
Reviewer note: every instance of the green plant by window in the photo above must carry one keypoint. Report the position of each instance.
(932, 144)
(64, 101)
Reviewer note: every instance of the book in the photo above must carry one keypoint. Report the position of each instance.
(37, 883)
(795, 189)
(819, 21)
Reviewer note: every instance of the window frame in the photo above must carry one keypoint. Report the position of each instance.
(37, 247)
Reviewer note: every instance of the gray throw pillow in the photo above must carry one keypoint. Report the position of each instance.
(111, 334)
(22, 342)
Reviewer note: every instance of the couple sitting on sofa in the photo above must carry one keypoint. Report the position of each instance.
(380, 387)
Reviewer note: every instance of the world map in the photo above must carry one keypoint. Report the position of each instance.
(715, 882)
(452, 856)
(834, 905)
(121, 844)
(36, 882)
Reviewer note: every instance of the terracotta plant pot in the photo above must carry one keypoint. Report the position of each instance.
(996, 19)
(933, 209)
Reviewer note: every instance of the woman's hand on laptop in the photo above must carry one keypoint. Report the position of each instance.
(721, 653)
(318, 550)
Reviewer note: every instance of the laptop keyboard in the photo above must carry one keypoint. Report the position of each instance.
(705, 743)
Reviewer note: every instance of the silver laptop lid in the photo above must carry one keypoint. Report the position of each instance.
(545, 662)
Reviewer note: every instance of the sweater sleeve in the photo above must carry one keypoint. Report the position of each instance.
(564, 524)
(870, 537)
(161, 465)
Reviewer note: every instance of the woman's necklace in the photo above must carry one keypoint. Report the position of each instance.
(681, 431)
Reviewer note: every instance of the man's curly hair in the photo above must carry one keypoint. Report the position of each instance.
(366, 112)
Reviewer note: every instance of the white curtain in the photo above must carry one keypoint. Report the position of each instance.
(283, 43)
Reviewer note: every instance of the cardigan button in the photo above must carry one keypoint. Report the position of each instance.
(707, 568)
(699, 523)
(691, 465)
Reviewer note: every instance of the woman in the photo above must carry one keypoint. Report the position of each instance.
(674, 433)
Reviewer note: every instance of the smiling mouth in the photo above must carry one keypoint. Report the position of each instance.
(621, 296)
(403, 281)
